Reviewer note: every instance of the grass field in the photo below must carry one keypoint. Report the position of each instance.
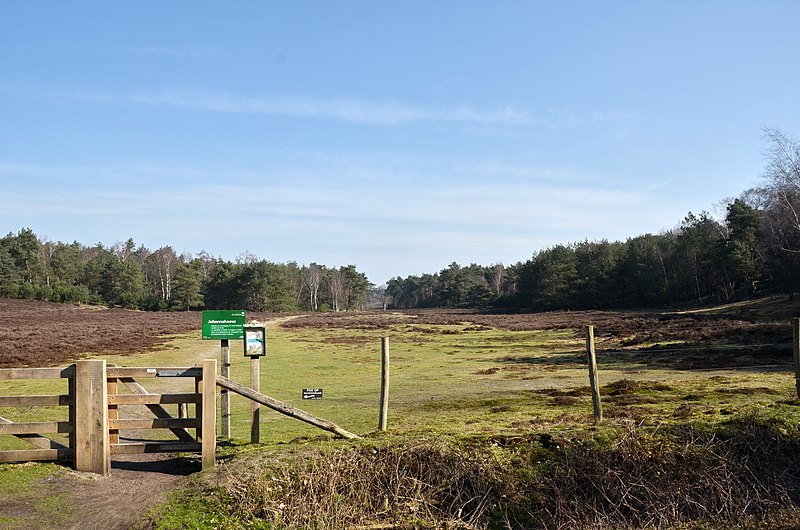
(478, 382)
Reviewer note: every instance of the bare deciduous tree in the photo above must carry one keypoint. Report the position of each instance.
(165, 261)
(313, 278)
(336, 287)
(498, 274)
(783, 187)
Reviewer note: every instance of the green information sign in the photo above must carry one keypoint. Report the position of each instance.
(223, 325)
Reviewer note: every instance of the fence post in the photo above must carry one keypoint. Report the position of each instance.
(384, 408)
(225, 403)
(72, 419)
(209, 408)
(255, 407)
(590, 355)
(92, 451)
(796, 352)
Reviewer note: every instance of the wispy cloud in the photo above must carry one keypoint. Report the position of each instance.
(344, 109)
(193, 51)
(501, 120)
(395, 229)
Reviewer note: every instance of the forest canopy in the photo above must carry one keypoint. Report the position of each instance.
(135, 277)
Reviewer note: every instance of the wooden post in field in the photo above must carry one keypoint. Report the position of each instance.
(590, 356)
(92, 450)
(384, 408)
(209, 406)
(225, 403)
(796, 352)
(255, 407)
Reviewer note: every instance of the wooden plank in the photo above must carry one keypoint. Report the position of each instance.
(92, 448)
(198, 408)
(159, 411)
(29, 455)
(209, 418)
(155, 447)
(284, 408)
(36, 373)
(153, 399)
(71, 390)
(153, 423)
(119, 372)
(113, 410)
(39, 441)
(35, 401)
(38, 427)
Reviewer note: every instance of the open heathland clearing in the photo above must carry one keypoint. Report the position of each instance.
(490, 421)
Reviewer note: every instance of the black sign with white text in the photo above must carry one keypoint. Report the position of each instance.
(312, 393)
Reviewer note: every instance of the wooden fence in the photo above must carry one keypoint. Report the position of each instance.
(93, 398)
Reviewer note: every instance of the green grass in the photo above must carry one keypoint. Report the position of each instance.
(21, 479)
(460, 382)
(25, 485)
(444, 378)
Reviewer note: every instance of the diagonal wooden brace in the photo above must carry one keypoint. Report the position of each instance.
(157, 410)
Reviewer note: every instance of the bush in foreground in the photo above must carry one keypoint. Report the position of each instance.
(743, 474)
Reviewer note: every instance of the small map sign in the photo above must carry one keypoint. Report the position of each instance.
(312, 393)
(255, 340)
(224, 325)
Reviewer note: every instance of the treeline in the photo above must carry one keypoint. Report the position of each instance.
(125, 275)
(754, 248)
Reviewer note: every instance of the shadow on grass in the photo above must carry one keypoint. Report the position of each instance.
(685, 357)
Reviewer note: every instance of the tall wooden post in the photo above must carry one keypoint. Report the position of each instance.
(209, 406)
(384, 407)
(593, 382)
(225, 403)
(796, 352)
(92, 451)
(255, 407)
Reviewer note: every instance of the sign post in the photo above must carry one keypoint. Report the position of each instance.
(255, 347)
(224, 326)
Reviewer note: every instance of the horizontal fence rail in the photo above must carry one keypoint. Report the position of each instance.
(33, 431)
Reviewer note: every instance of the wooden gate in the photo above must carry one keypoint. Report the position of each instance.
(93, 426)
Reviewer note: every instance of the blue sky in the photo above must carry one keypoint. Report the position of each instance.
(396, 136)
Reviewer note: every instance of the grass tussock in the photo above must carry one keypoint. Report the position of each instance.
(743, 474)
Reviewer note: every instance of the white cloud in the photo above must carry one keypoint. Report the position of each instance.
(351, 110)
(321, 217)
(496, 121)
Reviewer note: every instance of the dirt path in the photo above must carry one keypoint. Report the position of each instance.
(121, 500)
